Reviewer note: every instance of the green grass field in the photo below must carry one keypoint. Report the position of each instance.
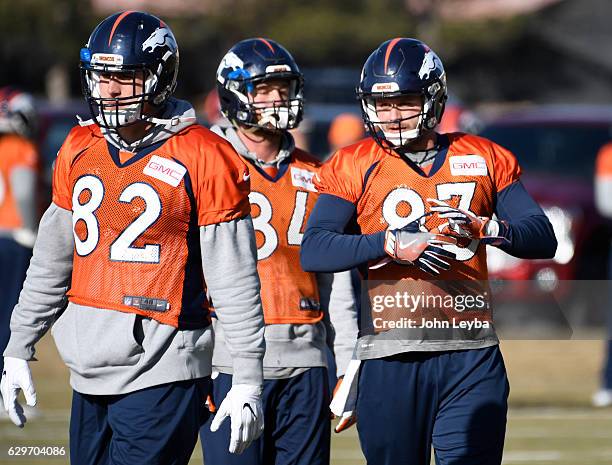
(550, 421)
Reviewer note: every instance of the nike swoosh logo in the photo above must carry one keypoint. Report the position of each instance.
(245, 177)
(403, 246)
(251, 409)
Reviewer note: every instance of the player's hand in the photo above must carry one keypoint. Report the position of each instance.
(25, 237)
(16, 376)
(421, 249)
(243, 405)
(210, 403)
(347, 419)
(465, 224)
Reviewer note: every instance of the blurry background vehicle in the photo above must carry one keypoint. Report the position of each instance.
(328, 92)
(556, 146)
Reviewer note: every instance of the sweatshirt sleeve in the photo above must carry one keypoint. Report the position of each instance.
(43, 297)
(528, 230)
(325, 247)
(340, 307)
(229, 262)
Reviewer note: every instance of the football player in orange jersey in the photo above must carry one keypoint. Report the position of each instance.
(260, 90)
(18, 177)
(426, 205)
(149, 223)
(603, 202)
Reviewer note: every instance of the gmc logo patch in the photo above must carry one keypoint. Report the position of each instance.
(468, 165)
(165, 170)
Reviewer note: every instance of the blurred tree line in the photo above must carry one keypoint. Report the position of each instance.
(42, 36)
(501, 58)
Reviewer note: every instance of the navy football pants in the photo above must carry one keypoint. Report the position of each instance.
(297, 423)
(153, 426)
(607, 371)
(14, 261)
(455, 401)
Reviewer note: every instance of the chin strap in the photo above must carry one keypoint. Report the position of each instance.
(113, 136)
(88, 122)
(174, 121)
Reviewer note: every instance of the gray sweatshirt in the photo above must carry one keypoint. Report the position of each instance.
(111, 352)
(293, 348)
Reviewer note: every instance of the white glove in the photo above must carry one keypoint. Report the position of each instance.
(243, 405)
(15, 376)
(344, 402)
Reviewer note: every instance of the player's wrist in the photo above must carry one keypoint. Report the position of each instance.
(248, 392)
(389, 244)
(488, 227)
(247, 370)
(495, 232)
(21, 345)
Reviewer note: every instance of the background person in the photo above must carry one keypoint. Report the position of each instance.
(19, 165)
(260, 88)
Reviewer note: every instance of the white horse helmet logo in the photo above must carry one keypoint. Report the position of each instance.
(430, 63)
(231, 61)
(159, 38)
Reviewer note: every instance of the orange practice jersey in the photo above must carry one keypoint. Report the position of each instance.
(280, 209)
(136, 221)
(15, 152)
(388, 192)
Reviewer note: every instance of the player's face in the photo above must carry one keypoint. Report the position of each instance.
(121, 85)
(271, 102)
(121, 93)
(265, 93)
(401, 112)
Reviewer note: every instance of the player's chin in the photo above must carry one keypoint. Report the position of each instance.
(270, 129)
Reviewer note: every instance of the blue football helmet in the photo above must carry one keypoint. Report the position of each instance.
(402, 67)
(245, 65)
(129, 43)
